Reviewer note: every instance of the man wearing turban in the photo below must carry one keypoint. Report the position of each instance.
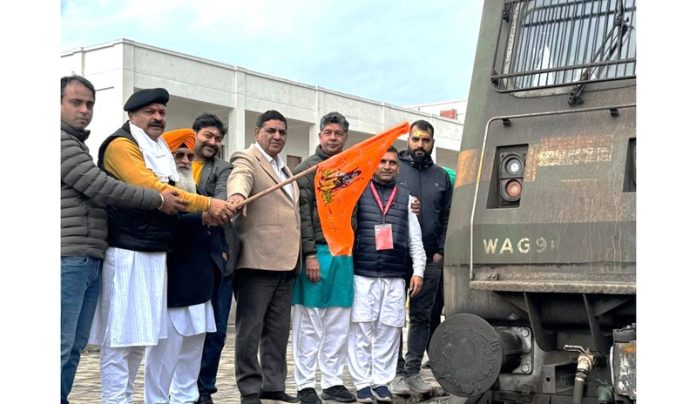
(194, 266)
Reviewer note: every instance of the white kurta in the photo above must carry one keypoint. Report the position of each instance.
(132, 305)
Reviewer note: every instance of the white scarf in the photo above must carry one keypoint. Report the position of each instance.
(156, 154)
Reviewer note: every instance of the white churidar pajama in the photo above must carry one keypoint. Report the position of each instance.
(376, 320)
(130, 313)
(319, 333)
(172, 366)
(121, 365)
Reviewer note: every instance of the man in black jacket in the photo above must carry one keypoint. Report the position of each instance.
(125, 323)
(195, 263)
(430, 184)
(85, 190)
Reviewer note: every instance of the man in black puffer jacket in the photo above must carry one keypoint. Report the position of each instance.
(85, 191)
(430, 184)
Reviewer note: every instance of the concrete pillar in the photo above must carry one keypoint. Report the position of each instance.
(235, 134)
(433, 155)
(313, 134)
(237, 117)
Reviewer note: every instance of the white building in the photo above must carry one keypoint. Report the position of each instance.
(237, 96)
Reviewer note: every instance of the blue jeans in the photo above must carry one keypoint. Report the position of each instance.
(420, 308)
(80, 279)
(215, 341)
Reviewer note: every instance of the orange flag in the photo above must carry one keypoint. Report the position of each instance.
(339, 182)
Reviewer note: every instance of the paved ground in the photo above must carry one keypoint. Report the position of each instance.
(86, 389)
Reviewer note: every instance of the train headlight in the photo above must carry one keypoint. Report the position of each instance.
(510, 175)
(513, 166)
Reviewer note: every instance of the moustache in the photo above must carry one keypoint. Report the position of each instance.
(158, 124)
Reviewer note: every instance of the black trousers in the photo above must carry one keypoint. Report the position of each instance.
(262, 325)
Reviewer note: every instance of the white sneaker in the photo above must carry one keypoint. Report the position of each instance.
(399, 386)
(417, 384)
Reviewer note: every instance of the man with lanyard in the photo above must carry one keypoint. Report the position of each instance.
(387, 234)
(132, 306)
(323, 291)
(431, 185)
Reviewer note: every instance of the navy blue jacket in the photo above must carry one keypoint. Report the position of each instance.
(367, 260)
(195, 263)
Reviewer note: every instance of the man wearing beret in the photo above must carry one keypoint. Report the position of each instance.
(270, 255)
(85, 189)
(194, 264)
(132, 308)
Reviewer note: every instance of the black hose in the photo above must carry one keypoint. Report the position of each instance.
(579, 387)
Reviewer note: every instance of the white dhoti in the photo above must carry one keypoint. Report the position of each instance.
(377, 317)
(130, 312)
(319, 333)
(172, 366)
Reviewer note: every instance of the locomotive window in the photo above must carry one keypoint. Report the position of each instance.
(553, 43)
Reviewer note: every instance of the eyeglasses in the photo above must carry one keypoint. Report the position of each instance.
(180, 155)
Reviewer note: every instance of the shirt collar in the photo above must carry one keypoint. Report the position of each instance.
(279, 161)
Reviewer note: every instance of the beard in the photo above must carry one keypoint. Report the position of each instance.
(418, 155)
(207, 151)
(186, 181)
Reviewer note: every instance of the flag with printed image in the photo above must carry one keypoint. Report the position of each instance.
(341, 179)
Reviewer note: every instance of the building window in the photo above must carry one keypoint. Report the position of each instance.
(554, 43)
(293, 161)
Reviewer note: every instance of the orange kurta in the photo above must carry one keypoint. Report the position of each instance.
(124, 159)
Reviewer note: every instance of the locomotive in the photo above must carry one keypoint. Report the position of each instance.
(540, 258)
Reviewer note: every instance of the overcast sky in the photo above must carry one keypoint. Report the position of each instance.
(402, 53)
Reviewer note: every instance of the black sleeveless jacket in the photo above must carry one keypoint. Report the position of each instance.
(367, 260)
(136, 229)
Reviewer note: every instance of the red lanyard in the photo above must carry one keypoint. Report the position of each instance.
(384, 209)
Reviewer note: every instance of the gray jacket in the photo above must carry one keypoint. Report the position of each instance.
(85, 190)
(213, 182)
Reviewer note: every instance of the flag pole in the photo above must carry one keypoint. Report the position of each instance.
(403, 125)
(278, 185)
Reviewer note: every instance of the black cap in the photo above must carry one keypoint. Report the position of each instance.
(145, 97)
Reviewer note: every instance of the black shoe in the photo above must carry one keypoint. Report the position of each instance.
(251, 399)
(279, 396)
(205, 399)
(338, 393)
(309, 396)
